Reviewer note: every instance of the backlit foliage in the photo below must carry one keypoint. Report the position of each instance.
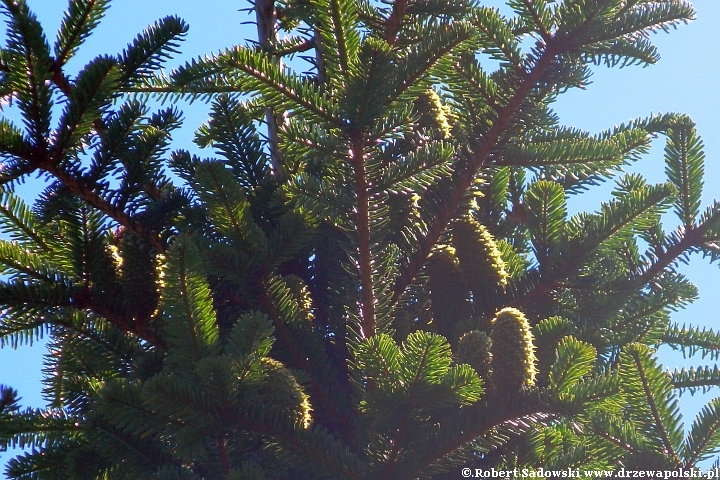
(382, 282)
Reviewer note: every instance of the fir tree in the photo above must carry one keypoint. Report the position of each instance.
(387, 286)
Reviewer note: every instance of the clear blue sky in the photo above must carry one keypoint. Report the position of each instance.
(685, 80)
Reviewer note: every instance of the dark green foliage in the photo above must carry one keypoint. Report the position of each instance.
(388, 286)
(449, 295)
(138, 274)
(81, 17)
(474, 349)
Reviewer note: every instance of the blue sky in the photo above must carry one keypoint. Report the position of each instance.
(685, 80)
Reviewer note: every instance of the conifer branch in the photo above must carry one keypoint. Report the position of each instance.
(394, 21)
(15, 213)
(301, 47)
(473, 428)
(650, 397)
(691, 239)
(615, 441)
(316, 456)
(266, 19)
(41, 145)
(18, 173)
(84, 300)
(542, 29)
(96, 337)
(703, 435)
(467, 172)
(301, 361)
(92, 198)
(261, 77)
(76, 34)
(365, 263)
(398, 445)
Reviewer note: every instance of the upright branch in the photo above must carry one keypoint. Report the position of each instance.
(393, 25)
(394, 21)
(86, 192)
(467, 171)
(367, 308)
(266, 19)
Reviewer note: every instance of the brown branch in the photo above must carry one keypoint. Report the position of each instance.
(223, 454)
(84, 300)
(266, 18)
(469, 170)
(93, 199)
(692, 238)
(365, 263)
(60, 80)
(394, 21)
(304, 46)
(546, 285)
